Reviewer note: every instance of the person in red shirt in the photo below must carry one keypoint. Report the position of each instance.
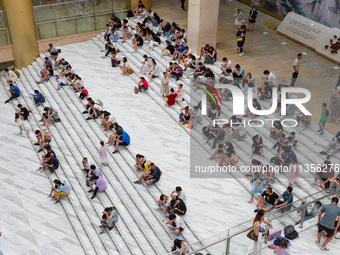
(84, 93)
(143, 84)
(171, 98)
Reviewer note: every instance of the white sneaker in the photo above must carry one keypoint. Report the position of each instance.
(324, 248)
(240, 55)
(337, 236)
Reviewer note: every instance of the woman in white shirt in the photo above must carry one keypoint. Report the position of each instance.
(77, 83)
(154, 72)
(125, 66)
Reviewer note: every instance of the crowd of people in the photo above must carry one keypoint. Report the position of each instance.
(220, 138)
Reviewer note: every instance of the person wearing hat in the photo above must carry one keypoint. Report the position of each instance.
(238, 18)
(122, 139)
(15, 92)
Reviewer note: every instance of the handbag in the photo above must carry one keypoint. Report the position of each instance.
(251, 235)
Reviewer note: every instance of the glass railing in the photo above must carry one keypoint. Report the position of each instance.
(302, 214)
(72, 17)
(4, 35)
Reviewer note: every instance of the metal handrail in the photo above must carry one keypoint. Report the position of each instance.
(247, 229)
(293, 204)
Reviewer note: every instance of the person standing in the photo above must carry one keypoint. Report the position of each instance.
(102, 151)
(296, 69)
(323, 118)
(252, 18)
(258, 229)
(19, 121)
(330, 213)
(257, 187)
(182, 5)
(334, 106)
(238, 18)
(240, 38)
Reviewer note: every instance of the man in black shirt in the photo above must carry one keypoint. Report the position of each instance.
(267, 200)
(199, 71)
(168, 50)
(137, 41)
(151, 177)
(52, 164)
(23, 111)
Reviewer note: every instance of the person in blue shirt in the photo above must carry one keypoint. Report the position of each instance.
(38, 98)
(15, 92)
(287, 199)
(151, 177)
(113, 36)
(122, 139)
(179, 49)
(60, 188)
(290, 155)
(239, 72)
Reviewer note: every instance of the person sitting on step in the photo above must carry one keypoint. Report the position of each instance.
(61, 188)
(122, 139)
(151, 177)
(98, 184)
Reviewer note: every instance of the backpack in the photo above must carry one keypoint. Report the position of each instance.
(100, 102)
(275, 160)
(254, 14)
(147, 165)
(130, 14)
(278, 239)
(48, 136)
(290, 232)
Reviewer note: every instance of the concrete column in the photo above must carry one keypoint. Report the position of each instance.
(202, 23)
(134, 4)
(21, 27)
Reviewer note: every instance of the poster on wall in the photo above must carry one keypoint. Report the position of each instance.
(326, 12)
